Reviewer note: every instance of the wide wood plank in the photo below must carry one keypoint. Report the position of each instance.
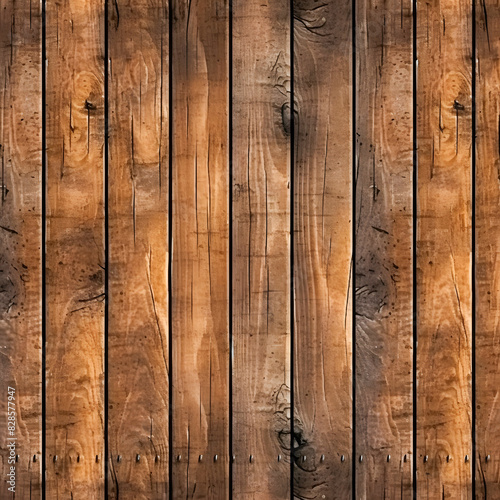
(444, 287)
(261, 249)
(323, 249)
(138, 256)
(200, 281)
(20, 247)
(384, 276)
(487, 250)
(75, 249)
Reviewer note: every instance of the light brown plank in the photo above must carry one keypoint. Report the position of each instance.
(20, 244)
(261, 249)
(444, 135)
(384, 276)
(138, 253)
(323, 249)
(75, 248)
(200, 281)
(487, 249)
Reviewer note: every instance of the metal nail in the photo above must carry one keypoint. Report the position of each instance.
(233, 458)
(17, 458)
(388, 458)
(216, 458)
(157, 458)
(200, 458)
(488, 458)
(361, 458)
(466, 458)
(119, 458)
(426, 458)
(251, 458)
(34, 458)
(342, 458)
(279, 458)
(448, 458)
(137, 458)
(97, 459)
(304, 458)
(179, 458)
(55, 458)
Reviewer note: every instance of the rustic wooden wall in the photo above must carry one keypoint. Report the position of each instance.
(249, 249)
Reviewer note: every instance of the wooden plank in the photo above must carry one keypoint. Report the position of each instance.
(20, 243)
(323, 249)
(487, 250)
(384, 275)
(444, 136)
(138, 219)
(261, 249)
(75, 249)
(200, 281)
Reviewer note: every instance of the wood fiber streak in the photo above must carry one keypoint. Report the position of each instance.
(20, 241)
(200, 280)
(138, 253)
(261, 249)
(323, 249)
(75, 249)
(487, 249)
(384, 276)
(444, 287)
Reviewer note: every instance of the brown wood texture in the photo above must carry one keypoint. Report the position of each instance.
(383, 271)
(261, 249)
(444, 287)
(20, 244)
(487, 250)
(75, 249)
(323, 249)
(200, 252)
(138, 252)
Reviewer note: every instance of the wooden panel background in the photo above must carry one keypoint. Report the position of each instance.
(249, 249)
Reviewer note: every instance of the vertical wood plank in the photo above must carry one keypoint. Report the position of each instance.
(487, 249)
(323, 249)
(200, 281)
(444, 135)
(75, 248)
(384, 275)
(20, 243)
(261, 249)
(138, 218)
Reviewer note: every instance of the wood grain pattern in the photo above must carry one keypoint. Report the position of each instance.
(75, 249)
(384, 275)
(261, 249)
(138, 253)
(20, 243)
(200, 280)
(323, 249)
(444, 135)
(487, 250)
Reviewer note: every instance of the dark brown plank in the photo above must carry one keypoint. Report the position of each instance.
(444, 287)
(200, 281)
(384, 276)
(322, 249)
(75, 249)
(261, 249)
(138, 253)
(20, 247)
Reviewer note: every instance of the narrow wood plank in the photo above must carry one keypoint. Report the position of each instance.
(138, 219)
(261, 249)
(200, 281)
(323, 249)
(75, 248)
(20, 243)
(487, 249)
(384, 275)
(444, 135)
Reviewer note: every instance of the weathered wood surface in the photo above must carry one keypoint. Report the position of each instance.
(323, 249)
(20, 242)
(261, 249)
(383, 278)
(138, 253)
(444, 288)
(75, 249)
(200, 280)
(487, 250)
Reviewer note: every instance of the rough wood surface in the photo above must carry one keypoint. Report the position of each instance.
(138, 253)
(323, 249)
(75, 249)
(487, 250)
(383, 280)
(20, 243)
(261, 249)
(444, 135)
(200, 280)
